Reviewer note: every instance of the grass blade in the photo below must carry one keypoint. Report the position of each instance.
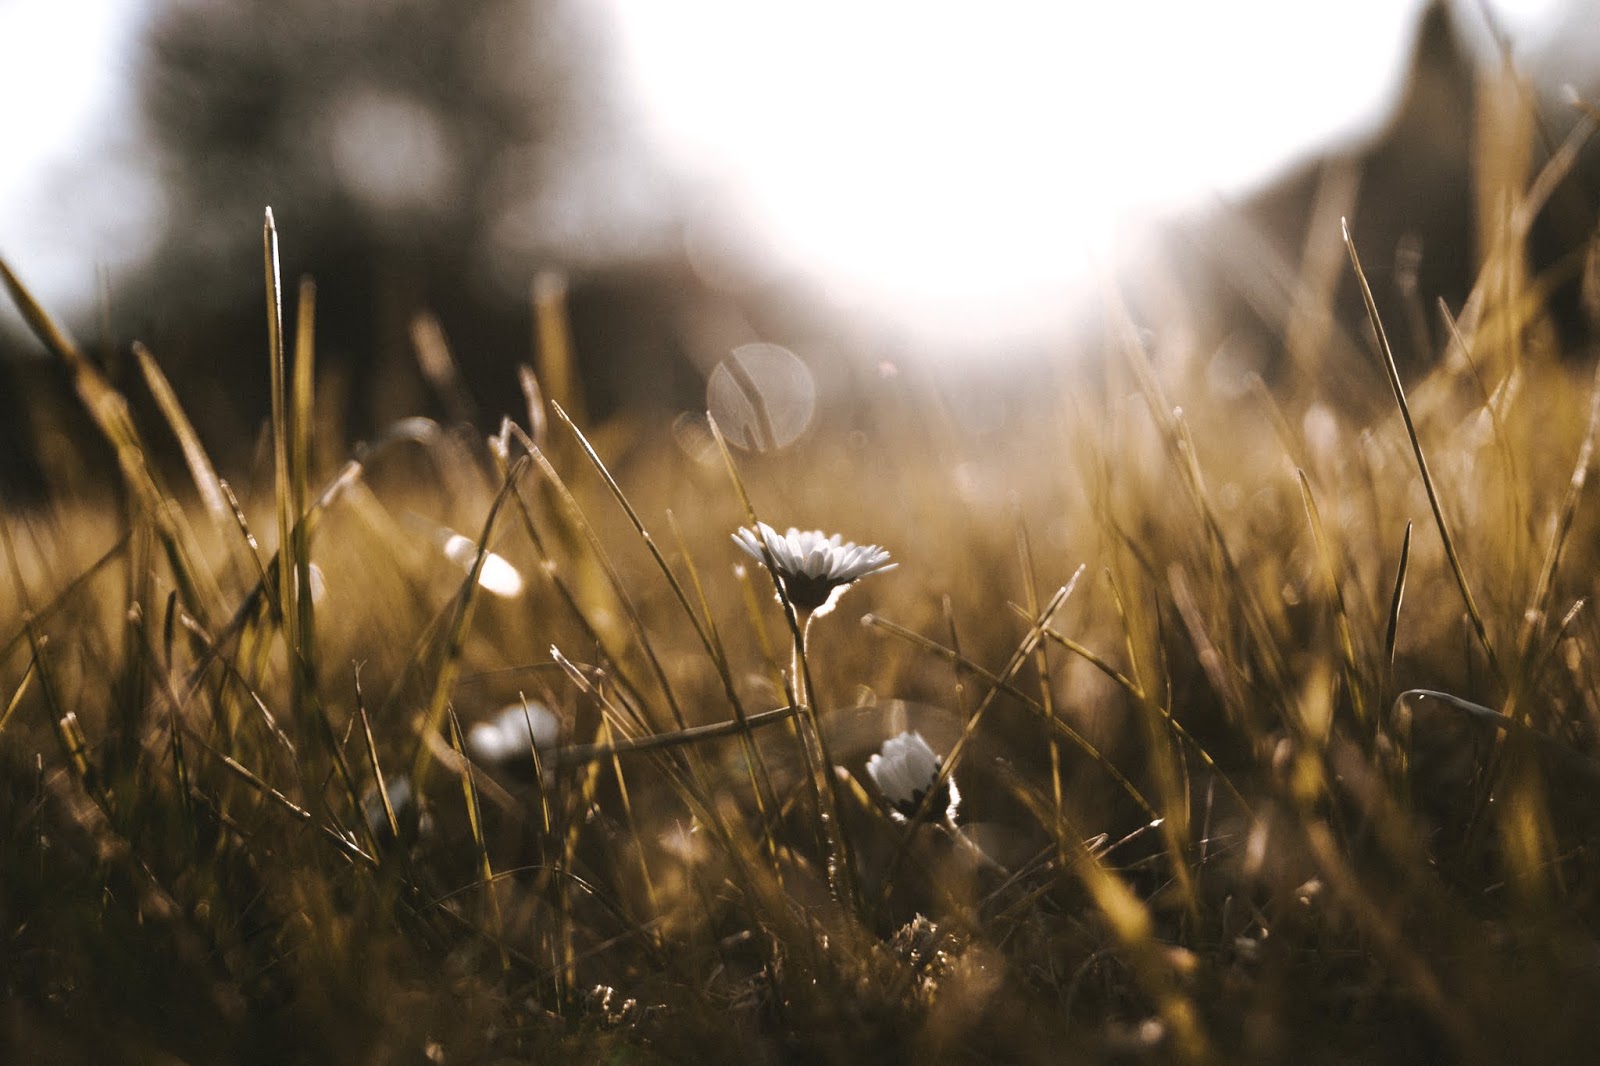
(1399, 391)
(1391, 629)
(456, 634)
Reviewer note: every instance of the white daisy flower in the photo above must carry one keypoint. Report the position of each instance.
(504, 738)
(814, 569)
(904, 769)
(497, 576)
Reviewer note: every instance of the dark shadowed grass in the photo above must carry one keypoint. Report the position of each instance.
(1274, 734)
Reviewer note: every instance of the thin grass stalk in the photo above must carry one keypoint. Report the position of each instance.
(1497, 421)
(704, 630)
(301, 423)
(382, 786)
(1002, 682)
(168, 672)
(1132, 924)
(439, 367)
(231, 674)
(754, 615)
(256, 650)
(957, 678)
(132, 686)
(547, 565)
(1391, 629)
(47, 611)
(533, 395)
(1341, 618)
(1172, 774)
(109, 411)
(688, 788)
(469, 793)
(1181, 447)
(283, 472)
(263, 582)
(618, 587)
(195, 457)
(694, 787)
(1539, 605)
(679, 775)
(64, 723)
(579, 800)
(456, 635)
(755, 762)
(539, 783)
(557, 356)
(1542, 661)
(1516, 706)
(547, 936)
(1152, 706)
(1263, 643)
(341, 765)
(1212, 662)
(842, 880)
(346, 847)
(1398, 389)
(632, 822)
(21, 690)
(1030, 584)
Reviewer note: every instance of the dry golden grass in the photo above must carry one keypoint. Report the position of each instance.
(1161, 636)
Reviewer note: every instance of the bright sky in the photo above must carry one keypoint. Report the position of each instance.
(959, 166)
(954, 167)
(66, 98)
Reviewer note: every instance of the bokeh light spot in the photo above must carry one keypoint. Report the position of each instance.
(762, 396)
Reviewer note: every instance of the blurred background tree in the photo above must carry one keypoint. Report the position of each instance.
(421, 159)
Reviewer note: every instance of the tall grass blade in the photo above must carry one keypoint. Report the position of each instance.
(1391, 629)
(379, 784)
(21, 690)
(283, 478)
(302, 422)
(557, 359)
(1399, 391)
(469, 792)
(456, 635)
(1539, 605)
(201, 470)
(1354, 682)
(814, 743)
(109, 411)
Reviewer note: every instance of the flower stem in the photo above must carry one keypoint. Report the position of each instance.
(841, 872)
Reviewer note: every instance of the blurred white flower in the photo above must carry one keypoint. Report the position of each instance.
(904, 769)
(413, 817)
(814, 569)
(497, 576)
(505, 738)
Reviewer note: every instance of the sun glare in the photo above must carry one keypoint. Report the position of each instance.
(962, 169)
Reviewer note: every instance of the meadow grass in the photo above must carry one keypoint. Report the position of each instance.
(1272, 727)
